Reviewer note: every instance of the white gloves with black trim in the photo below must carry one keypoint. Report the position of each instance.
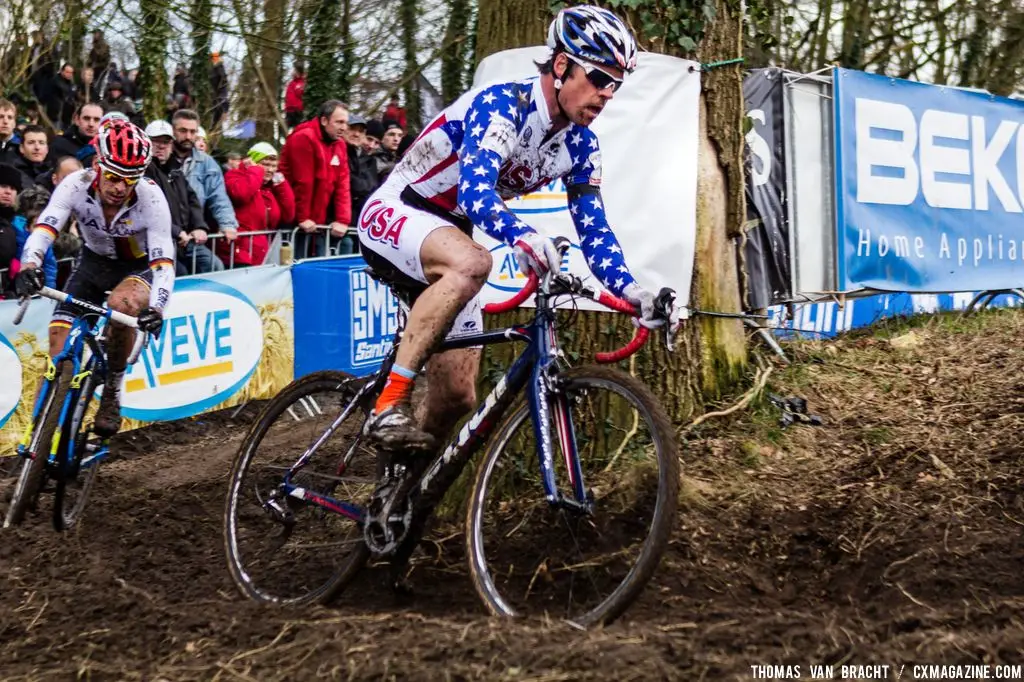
(650, 316)
(538, 254)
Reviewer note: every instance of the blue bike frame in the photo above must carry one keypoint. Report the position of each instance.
(530, 370)
(83, 333)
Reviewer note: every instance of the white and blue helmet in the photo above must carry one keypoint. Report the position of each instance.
(593, 34)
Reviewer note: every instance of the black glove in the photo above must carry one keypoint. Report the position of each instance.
(28, 282)
(151, 320)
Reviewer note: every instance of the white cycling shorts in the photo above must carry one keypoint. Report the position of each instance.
(395, 231)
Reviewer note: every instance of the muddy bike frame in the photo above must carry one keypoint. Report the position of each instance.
(84, 333)
(535, 369)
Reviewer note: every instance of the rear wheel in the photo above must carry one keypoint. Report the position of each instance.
(76, 478)
(30, 477)
(282, 549)
(528, 556)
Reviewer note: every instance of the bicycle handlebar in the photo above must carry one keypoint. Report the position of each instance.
(141, 339)
(512, 303)
(574, 286)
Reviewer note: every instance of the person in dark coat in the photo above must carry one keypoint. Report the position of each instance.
(99, 55)
(63, 97)
(219, 88)
(84, 126)
(32, 153)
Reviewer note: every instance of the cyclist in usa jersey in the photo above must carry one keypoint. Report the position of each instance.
(492, 144)
(125, 225)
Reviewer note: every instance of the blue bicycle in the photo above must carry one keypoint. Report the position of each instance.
(58, 444)
(577, 535)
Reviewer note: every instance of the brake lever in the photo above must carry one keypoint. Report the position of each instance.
(665, 305)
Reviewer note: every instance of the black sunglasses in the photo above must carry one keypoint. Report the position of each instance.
(598, 77)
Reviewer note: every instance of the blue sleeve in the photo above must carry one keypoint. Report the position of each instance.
(50, 269)
(583, 188)
(491, 130)
(49, 260)
(217, 196)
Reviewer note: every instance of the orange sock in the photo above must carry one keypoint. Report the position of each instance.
(397, 389)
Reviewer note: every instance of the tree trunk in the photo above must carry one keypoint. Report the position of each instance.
(199, 67)
(453, 60)
(348, 52)
(710, 353)
(323, 55)
(410, 77)
(504, 24)
(270, 66)
(152, 55)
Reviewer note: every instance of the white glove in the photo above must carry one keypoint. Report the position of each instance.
(643, 299)
(277, 178)
(538, 254)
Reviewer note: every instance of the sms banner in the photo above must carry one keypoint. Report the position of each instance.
(344, 319)
(929, 186)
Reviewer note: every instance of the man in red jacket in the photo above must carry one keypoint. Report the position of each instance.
(293, 97)
(314, 159)
(394, 113)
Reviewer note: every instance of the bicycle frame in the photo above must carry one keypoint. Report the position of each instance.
(83, 333)
(530, 370)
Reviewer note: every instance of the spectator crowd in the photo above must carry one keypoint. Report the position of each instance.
(223, 216)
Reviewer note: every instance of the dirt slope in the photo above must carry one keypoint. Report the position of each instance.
(892, 534)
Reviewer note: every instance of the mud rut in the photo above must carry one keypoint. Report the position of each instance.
(827, 546)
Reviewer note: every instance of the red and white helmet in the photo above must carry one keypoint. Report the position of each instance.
(123, 148)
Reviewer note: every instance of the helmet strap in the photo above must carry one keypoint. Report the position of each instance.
(558, 89)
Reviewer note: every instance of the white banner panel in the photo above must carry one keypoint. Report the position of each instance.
(649, 141)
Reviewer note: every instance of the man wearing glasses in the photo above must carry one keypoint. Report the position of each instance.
(492, 144)
(126, 228)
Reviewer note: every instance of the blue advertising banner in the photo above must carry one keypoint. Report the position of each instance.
(827, 318)
(343, 319)
(929, 186)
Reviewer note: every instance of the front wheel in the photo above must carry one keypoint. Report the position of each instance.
(281, 547)
(528, 556)
(30, 478)
(75, 479)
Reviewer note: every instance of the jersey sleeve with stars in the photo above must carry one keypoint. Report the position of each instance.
(491, 126)
(597, 241)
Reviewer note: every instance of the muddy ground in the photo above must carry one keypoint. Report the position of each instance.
(890, 535)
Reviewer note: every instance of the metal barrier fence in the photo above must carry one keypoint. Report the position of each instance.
(283, 249)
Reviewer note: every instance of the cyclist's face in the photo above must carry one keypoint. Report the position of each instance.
(34, 147)
(6, 123)
(8, 195)
(582, 101)
(112, 190)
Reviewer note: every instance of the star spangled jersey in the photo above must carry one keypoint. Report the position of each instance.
(496, 143)
(141, 228)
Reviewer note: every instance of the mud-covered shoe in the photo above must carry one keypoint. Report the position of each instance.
(108, 416)
(395, 429)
